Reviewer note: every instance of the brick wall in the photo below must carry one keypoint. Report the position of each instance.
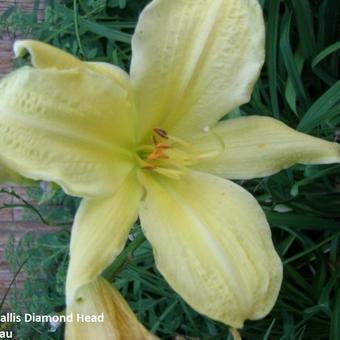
(6, 54)
(15, 222)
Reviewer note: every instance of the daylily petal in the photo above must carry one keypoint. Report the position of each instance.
(69, 126)
(194, 61)
(100, 230)
(260, 146)
(100, 298)
(119, 76)
(8, 176)
(216, 249)
(47, 56)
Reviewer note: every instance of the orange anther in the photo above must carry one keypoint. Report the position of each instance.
(155, 155)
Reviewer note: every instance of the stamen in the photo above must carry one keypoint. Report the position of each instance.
(146, 148)
(163, 146)
(175, 174)
(170, 158)
(154, 155)
(157, 154)
(162, 133)
(145, 165)
(149, 166)
(180, 141)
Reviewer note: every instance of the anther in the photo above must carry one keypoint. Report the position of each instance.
(167, 155)
(160, 132)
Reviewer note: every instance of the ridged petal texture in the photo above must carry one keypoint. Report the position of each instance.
(213, 245)
(260, 146)
(47, 56)
(50, 132)
(99, 233)
(193, 61)
(119, 321)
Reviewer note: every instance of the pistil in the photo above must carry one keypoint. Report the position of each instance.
(172, 156)
(168, 155)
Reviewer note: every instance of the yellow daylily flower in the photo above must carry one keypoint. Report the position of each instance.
(111, 317)
(150, 144)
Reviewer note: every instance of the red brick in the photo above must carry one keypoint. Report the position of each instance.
(5, 198)
(6, 214)
(6, 54)
(22, 193)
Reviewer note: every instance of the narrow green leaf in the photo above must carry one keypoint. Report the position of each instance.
(311, 249)
(325, 53)
(290, 93)
(271, 53)
(163, 316)
(297, 185)
(335, 319)
(320, 110)
(304, 21)
(288, 58)
(97, 28)
(302, 222)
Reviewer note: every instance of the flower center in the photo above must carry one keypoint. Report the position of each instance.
(167, 155)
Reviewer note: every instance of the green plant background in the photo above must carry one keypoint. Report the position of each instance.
(299, 85)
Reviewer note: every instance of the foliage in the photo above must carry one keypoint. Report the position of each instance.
(299, 85)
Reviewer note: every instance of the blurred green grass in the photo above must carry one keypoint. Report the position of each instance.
(300, 85)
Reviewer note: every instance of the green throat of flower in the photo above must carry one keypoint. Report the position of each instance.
(171, 156)
(167, 155)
